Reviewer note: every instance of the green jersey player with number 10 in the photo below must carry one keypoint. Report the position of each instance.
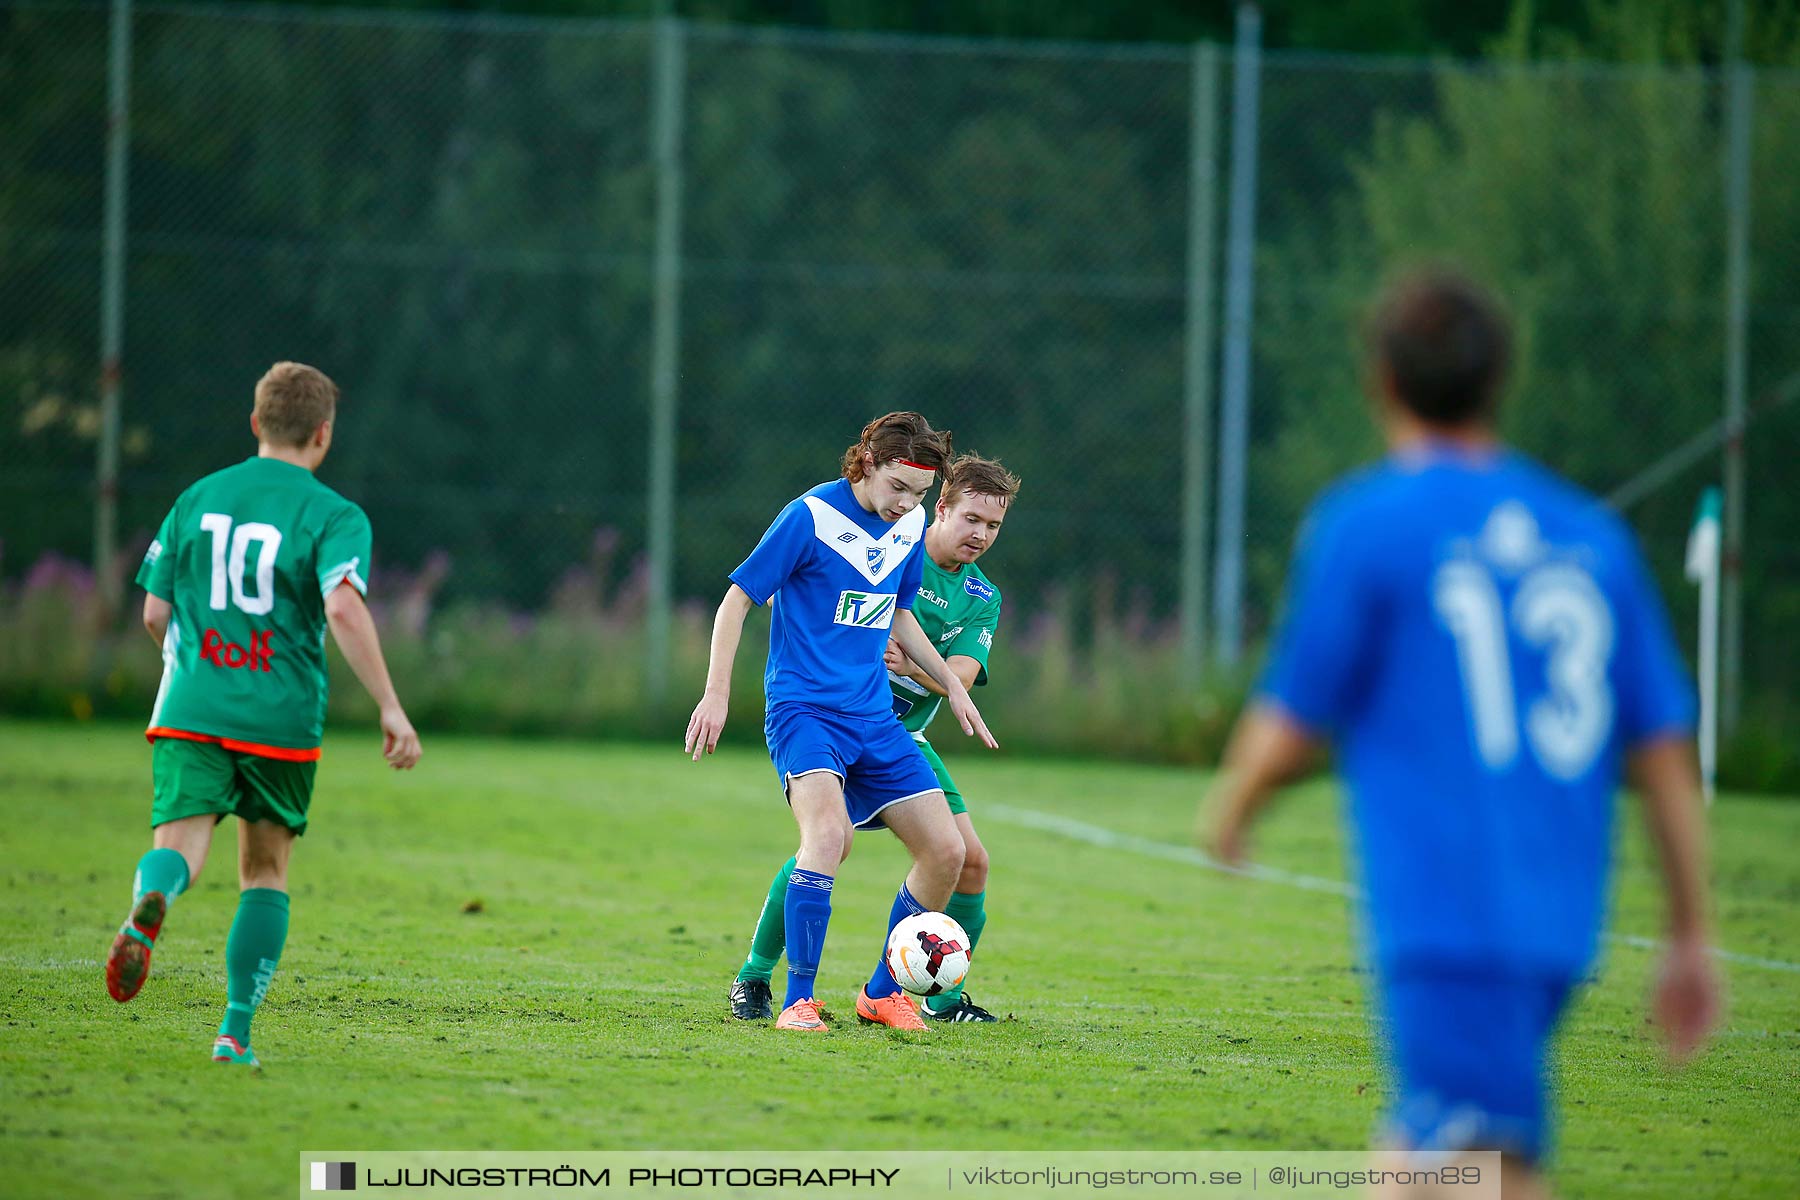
(959, 610)
(249, 568)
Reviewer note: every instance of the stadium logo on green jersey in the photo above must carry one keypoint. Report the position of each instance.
(867, 610)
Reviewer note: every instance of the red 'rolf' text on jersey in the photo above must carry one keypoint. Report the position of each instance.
(221, 653)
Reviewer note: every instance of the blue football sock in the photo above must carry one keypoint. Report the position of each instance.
(806, 910)
(163, 870)
(881, 983)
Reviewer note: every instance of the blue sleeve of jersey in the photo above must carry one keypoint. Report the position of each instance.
(912, 574)
(1655, 697)
(1326, 627)
(775, 557)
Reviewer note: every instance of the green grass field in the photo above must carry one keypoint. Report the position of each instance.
(1158, 1004)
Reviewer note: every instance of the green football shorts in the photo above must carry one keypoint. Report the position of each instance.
(944, 781)
(198, 778)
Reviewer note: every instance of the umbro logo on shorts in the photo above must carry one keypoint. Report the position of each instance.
(867, 610)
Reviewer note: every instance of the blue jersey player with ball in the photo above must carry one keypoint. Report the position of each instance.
(840, 567)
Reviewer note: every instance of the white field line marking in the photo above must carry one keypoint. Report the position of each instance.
(1095, 835)
(319, 979)
(1748, 960)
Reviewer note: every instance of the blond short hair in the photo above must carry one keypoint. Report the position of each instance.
(971, 474)
(293, 400)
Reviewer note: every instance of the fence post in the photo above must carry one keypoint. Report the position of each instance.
(1234, 382)
(1203, 138)
(112, 307)
(1739, 98)
(668, 74)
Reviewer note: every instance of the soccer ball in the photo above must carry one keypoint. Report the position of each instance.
(928, 953)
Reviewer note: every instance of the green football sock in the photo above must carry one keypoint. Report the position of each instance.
(968, 909)
(163, 870)
(254, 948)
(771, 930)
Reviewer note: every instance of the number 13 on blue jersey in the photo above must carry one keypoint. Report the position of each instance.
(1558, 610)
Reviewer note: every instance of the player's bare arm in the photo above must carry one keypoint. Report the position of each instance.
(961, 665)
(709, 715)
(157, 612)
(354, 629)
(1268, 748)
(917, 646)
(1687, 999)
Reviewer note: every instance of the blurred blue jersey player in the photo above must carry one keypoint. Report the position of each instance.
(1482, 646)
(840, 567)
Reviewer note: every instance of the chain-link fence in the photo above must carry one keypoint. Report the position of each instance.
(459, 218)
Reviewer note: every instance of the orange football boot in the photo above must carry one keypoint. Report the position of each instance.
(895, 1011)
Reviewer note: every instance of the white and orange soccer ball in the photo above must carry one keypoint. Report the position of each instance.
(928, 953)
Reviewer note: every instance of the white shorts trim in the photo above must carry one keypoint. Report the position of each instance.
(787, 781)
(869, 821)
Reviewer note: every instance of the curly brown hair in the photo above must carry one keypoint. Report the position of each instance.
(898, 436)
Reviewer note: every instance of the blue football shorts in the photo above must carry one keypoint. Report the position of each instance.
(876, 758)
(1470, 1052)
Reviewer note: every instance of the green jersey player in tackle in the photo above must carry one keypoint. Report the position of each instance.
(250, 567)
(959, 609)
